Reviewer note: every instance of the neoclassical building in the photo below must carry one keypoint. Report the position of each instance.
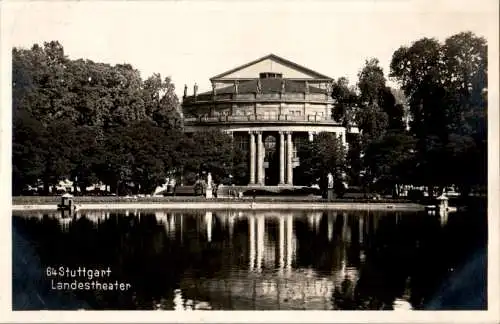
(269, 106)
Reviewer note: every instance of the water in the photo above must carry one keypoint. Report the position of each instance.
(250, 260)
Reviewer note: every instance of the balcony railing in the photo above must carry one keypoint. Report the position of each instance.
(245, 97)
(261, 119)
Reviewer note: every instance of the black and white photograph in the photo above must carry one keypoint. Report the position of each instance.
(309, 161)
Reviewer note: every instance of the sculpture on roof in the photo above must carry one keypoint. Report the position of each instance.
(259, 86)
(195, 88)
(328, 88)
(214, 89)
(236, 86)
(185, 90)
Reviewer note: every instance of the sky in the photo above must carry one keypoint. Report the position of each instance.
(191, 41)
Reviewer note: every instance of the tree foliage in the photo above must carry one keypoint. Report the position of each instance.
(90, 122)
(324, 155)
(443, 98)
(445, 84)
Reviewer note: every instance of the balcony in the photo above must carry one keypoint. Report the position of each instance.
(257, 97)
(261, 119)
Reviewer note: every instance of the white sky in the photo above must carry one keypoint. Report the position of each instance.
(193, 40)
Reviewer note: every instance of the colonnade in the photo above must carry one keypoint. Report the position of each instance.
(285, 146)
(257, 154)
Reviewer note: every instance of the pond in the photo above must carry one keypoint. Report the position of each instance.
(242, 260)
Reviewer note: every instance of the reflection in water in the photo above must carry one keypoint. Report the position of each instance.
(208, 220)
(259, 259)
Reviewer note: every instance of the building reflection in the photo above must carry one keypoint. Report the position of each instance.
(273, 273)
(261, 247)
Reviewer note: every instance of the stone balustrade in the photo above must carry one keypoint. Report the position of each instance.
(258, 97)
(259, 118)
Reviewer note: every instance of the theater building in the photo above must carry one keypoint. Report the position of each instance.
(268, 106)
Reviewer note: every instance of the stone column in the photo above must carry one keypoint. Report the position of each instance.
(260, 159)
(311, 136)
(282, 158)
(252, 158)
(289, 166)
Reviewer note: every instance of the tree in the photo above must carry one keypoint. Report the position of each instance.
(324, 155)
(419, 69)
(445, 85)
(372, 118)
(60, 147)
(346, 101)
(90, 121)
(466, 80)
(39, 84)
(208, 151)
(28, 151)
(389, 160)
(85, 156)
(161, 102)
(240, 173)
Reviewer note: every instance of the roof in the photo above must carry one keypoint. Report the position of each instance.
(267, 86)
(276, 58)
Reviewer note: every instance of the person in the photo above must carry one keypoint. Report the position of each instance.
(173, 186)
(214, 189)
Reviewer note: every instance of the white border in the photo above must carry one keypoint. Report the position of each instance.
(490, 316)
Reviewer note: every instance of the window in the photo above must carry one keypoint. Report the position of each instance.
(300, 144)
(241, 142)
(270, 147)
(270, 75)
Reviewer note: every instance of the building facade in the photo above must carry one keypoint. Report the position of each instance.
(269, 106)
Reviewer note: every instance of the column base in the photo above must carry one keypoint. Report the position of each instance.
(254, 185)
(285, 185)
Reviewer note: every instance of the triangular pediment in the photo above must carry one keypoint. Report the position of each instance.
(270, 63)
